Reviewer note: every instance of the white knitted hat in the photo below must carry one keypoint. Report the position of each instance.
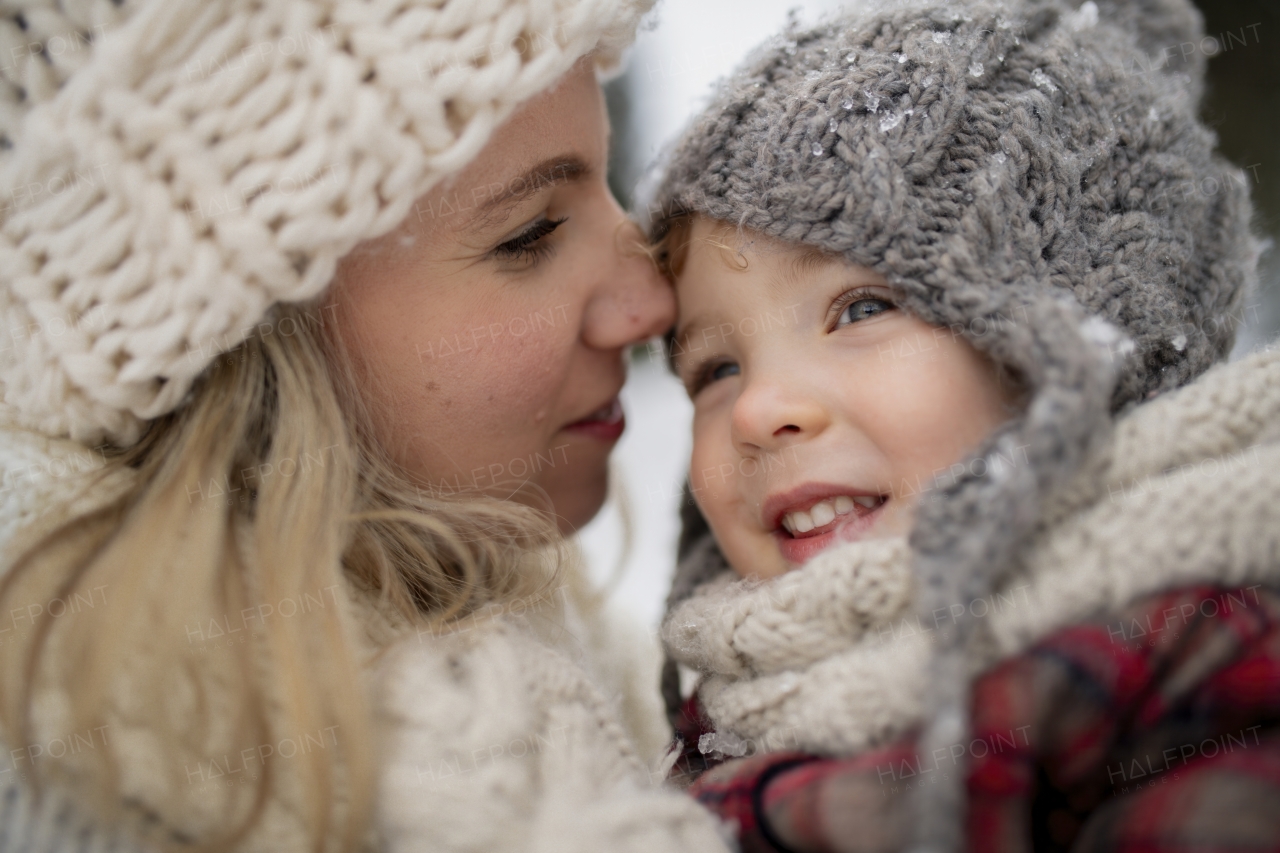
(170, 169)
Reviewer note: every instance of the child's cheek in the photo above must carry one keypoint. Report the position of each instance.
(896, 518)
(928, 408)
(728, 491)
(710, 465)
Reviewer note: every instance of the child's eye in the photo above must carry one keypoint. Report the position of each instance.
(529, 245)
(712, 372)
(860, 305)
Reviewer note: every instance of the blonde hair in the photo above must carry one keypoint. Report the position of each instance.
(169, 556)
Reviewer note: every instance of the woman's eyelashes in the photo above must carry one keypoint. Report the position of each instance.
(530, 245)
(861, 304)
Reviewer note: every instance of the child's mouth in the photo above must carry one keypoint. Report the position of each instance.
(812, 523)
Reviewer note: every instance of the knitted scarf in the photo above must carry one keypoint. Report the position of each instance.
(832, 658)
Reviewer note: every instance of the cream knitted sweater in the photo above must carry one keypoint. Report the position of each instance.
(502, 743)
(831, 658)
(523, 732)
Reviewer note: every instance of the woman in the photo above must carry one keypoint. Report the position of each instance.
(316, 316)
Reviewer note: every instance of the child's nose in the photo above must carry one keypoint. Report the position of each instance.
(774, 413)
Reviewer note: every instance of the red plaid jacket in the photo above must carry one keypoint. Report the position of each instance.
(1153, 732)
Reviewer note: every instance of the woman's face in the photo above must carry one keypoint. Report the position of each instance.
(489, 332)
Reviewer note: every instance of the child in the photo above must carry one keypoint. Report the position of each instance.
(985, 549)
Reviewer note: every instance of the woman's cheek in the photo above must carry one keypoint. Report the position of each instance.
(468, 411)
(513, 385)
(524, 376)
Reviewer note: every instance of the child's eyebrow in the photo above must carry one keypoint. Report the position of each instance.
(812, 262)
(807, 262)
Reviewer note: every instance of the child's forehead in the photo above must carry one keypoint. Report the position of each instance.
(724, 237)
(715, 251)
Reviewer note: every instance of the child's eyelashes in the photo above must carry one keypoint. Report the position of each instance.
(530, 245)
(861, 304)
(852, 306)
(708, 372)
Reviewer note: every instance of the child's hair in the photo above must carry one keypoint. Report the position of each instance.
(198, 532)
(671, 250)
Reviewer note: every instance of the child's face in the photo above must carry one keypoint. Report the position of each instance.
(822, 411)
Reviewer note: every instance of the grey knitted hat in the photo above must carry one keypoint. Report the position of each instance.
(1032, 174)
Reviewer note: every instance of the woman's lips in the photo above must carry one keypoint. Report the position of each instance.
(605, 423)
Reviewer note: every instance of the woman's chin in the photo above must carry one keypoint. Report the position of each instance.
(575, 511)
(575, 493)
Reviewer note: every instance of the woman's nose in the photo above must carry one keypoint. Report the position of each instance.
(631, 302)
(776, 411)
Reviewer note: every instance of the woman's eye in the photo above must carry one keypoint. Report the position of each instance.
(713, 373)
(530, 245)
(861, 308)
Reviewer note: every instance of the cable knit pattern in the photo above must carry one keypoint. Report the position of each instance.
(169, 169)
(1023, 174)
(830, 658)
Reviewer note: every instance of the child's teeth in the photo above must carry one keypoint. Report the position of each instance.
(822, 513)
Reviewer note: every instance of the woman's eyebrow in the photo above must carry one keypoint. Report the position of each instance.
(502, 197)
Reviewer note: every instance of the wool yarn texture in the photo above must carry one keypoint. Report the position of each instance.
(830, 658)
(514, 749)
(525, 729)
(171, 169)
(1023, 174)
